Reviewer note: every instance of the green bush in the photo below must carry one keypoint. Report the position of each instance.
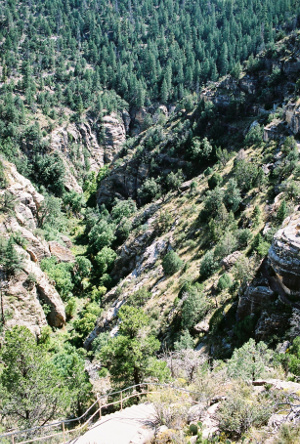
(225, 281)
(105, 260)
(214, 181)
(61, 274)
(254, 135)
(185, 341)
(149, 190)
(240, 411)
(71, 307)
(171, 263)
(139, 297)
(260, 245)
(208, 265)
(244, 236)
(101, 235)
(123, 209)
(227, 245)
(249, 362)
(208, 171)
(232, 197)
(194, 308)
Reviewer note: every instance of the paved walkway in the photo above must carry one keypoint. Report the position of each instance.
(133, 425)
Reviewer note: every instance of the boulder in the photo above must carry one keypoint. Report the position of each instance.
(231, 259)
(63, 254)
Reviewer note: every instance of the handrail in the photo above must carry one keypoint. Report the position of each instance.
(62, 423)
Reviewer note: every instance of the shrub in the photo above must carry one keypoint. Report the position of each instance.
(10, 259)
(149, 190)
(171, 408)
(101, 235)
(260, 245)
(208, 171)
(139, 297)
(208, 265)
(225, 281)
(227, 245)
(254, 135)
(123, 230)
(232, 198)
(194, 308)
(244, 236)
(174, 180)
(282, 212)
(249, 361)
(185, 341)
(100, 341)
(288, 434)
(60, 274)
(214, 181)
(123, 208)
(240, 411)
(171, 263)
(105, 259)
(71, 307)
(3, 181)
(49, 171)
(213, 202)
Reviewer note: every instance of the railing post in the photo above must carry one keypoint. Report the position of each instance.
(99, 403)
(12, 439)
(63, 429)
(121, 401)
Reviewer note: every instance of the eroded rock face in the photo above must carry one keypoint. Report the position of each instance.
(284, 255)
(114, 135)
(77, 141)
(123, 182)
(27, 291)
(292, 116)
(254, 298)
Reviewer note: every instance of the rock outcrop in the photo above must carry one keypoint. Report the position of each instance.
(63, 254)
(114, 135)
(79, 144)
(277, 283)
(25, 293)
(123, 181)
(292, 116)
(284, 255)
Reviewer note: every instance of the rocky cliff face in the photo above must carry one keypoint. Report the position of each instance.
(284, 255)
(277, 282)
(27, 291)
(292, 116)
(90, 142)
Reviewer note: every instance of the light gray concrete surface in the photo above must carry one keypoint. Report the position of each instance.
(133, 425)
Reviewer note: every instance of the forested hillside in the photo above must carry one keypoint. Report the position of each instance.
(149, 212)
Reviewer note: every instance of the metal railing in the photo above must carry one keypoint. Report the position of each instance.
(65, 424)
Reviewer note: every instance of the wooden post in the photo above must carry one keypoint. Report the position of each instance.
(121, 401)
(99, 404)
(12, 439)
(63, 429)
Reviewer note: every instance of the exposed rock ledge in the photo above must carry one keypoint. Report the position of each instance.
(284, 255)
(27, 291)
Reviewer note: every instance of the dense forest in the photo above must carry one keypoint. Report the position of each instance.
(149, 159)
